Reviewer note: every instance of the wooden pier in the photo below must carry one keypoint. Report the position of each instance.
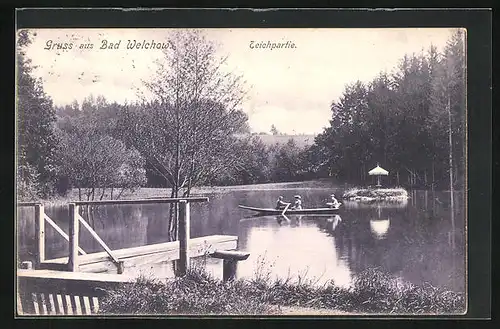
(144, 255)
(48, 288)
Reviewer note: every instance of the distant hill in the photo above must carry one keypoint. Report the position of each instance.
(301, 140)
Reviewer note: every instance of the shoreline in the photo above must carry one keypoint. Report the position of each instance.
(150, 192)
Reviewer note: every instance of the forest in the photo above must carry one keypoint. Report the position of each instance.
(191, 131)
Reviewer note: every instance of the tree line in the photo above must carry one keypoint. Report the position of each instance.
(411, 122)
(191, 131)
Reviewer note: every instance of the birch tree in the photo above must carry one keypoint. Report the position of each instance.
(186, 131)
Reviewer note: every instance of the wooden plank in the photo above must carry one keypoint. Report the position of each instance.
(27, 204)
(149, 259)
(140, 201)
(70, 276)
(24, 290)
(47, 265)
(39, 234)
(42, 309)
(49, 301)
(36, 306)
(74, 305)
(198, 247)
(74, 224)
(93, 305)
(81, 300)
(66, 305)
(58, 304)
(61, 232)
(19, 304)
(230, 255)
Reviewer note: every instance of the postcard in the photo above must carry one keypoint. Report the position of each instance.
(241, 171)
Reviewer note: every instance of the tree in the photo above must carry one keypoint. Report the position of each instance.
(254, 167)
(402, 120)
(94, 160)
(274, 130)
(448, 104)
(36, 140)
(186, 131)
(287, 164)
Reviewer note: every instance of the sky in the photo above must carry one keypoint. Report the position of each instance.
(291, 88)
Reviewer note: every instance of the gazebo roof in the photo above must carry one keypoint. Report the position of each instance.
(378, 171)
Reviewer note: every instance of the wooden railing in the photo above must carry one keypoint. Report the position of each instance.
(70, 292)
(183, 229)
(76, 219)
(46, 292)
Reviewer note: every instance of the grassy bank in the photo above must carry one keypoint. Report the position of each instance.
(199, 293)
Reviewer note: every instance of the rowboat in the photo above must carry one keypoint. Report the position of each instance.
(311, 211)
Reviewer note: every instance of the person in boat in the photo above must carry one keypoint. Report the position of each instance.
(280, 204)
(334, 202)
(297, 205)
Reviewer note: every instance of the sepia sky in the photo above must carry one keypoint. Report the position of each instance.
(290, 88)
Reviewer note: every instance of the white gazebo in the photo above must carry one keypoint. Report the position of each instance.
(378, 171)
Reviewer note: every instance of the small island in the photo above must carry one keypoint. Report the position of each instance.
(377, 193)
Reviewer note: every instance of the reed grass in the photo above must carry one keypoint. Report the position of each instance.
(372, 292)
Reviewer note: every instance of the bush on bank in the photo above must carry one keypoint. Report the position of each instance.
(199, 293)
(369, 194)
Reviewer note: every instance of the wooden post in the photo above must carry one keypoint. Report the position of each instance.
(229, 269)
(74, 225)
(230, 262)
(184, 228)
(40, 234)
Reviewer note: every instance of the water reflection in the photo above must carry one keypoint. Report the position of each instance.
(334, 221)
(293, 246)
(380, 225)
(414, 240)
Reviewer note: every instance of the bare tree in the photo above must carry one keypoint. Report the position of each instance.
(186, 131)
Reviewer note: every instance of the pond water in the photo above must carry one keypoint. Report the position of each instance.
(415, 240)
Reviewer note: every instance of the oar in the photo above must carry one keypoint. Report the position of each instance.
(283, 213)
(287, 219)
